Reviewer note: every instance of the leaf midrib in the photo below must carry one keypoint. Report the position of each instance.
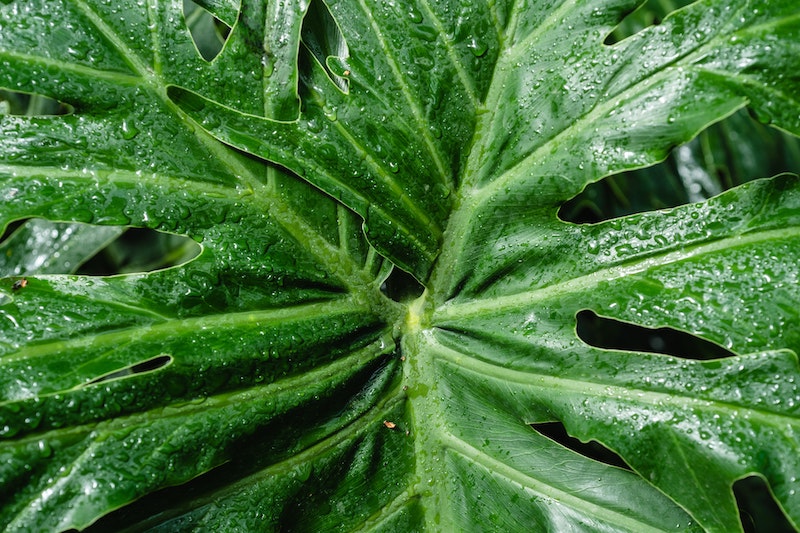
(280, 316)
(384, 176)
(522, 167)
(683, 60)
(414, 105)
(463, 76)
(347, 433)
(124, 50)
(122, 175)
(121, 78)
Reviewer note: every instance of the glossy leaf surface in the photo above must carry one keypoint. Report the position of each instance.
(269, 383)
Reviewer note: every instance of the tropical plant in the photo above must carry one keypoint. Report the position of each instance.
(377, 329)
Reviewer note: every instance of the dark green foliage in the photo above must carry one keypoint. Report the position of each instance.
(369, 239)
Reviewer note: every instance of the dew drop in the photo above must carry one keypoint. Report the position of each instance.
(44, 448)
(330, 112)
(477, 47)
(129, 131)
(414, 14)
(268, 67)
(210, 122)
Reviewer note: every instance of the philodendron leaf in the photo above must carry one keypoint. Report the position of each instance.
(270, 384)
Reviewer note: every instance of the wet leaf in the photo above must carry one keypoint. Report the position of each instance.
(382, 316)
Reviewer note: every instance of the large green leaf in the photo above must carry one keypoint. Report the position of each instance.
(270, 383)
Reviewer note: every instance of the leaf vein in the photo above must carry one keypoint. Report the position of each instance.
(461, 71)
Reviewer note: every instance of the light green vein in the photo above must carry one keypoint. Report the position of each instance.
(541, 153)
(768, 26)
(125, 51)
(387, 512)
(154, 36)
(350, 432)
(521, 47)
(121, 78)
(684, 60)
(120, 176)
(188, 326)
(385, 177)
(352, 197)
(752, 81)
(378, 170)
(328, 254)
(343, 229)
(341, 367)
(463, 76)
(27, 514)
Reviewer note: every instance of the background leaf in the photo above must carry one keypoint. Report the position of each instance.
(43, 247)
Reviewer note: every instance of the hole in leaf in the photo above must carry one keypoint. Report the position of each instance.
(609, 333)
(323, 39)
(650, 13)
(154, 363)
(31, 105)
(729, 153)
(758, 510)
(592, 449)
(401, 286)
(141, 250)
(10, 229)
(208, 32)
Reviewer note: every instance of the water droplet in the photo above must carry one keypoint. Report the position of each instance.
(129, 131)
(477, 47)
(268, 67)
(210, 121)
(44, 448)
(330, 112)
(314, 126)
(414, 14)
